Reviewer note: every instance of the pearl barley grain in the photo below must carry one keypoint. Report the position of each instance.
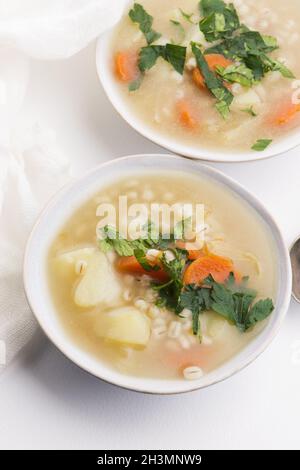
(193, 373)
(174, 329)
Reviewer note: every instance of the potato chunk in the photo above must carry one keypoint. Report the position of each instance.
(124, 325)
(99, 284)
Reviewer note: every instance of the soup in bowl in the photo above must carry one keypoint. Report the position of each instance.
(157, 274)
(207, 79)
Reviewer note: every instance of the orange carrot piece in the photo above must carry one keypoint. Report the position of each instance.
(192, 254)
(187, 115)
(126, 66)
(195, 254)
(216, 266)
(186, 358)
(213, 61)
(130, 265)
(287, 113)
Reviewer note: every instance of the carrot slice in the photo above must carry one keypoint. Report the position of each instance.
(287, 113)
(213, 61)
(192, 254)
(130, 265)
(216, 266)
(186, 114)
(126, 66)
(187, 358)
(195, 254)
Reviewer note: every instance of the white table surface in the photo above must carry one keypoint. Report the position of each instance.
(47, 402)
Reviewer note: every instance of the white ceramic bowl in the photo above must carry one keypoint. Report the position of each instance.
(73, 196)
(113, 91)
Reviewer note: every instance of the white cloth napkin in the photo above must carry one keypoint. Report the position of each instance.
(32, 167)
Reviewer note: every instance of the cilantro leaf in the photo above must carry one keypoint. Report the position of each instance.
(175, 55)
(169, 293)
(214, 84)
(148, 57)
(197, 300)
(172, 53)
(275, 65)
(111, 240)
(135, 85)
(145, 21)
(235, 303)
(211, 6)
(187, 16)
(261, 144)
(220, 20)
(261, 310)
(250, 111)
(236, 74)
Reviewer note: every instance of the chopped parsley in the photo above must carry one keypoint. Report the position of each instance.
(233, 301)
(172, 53)
(237, 74)
(220, 24)
(135, 85)
(252, 49)
(214, 84)
(261, 144)
(220, 20)
(145, 21)
(250, 111)
(187, 16)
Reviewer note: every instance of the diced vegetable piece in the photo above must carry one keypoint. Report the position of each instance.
(98, 285)
(216, 266)
(213, 61)
(187, 116)
(130, 265)
(124, 325)
(286, 114)
(126, 66)
(250, 98)
(195, 254)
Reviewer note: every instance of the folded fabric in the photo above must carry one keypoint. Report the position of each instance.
(55, 29)
(32, 167)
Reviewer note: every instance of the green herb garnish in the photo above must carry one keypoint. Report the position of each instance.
(135, 85)
(145, 21)
(230, 300)
(251, 48)
(261, 145)
(236, 74)
(234, 301)
(250, 111)
(180, 31)
(187, 16)
(220, 19)
(214, 84)
(172, 53)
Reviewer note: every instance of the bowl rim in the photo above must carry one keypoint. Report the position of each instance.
(114, 95)
(217, 176)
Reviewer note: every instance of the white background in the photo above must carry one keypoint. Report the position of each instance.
(47, 402)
